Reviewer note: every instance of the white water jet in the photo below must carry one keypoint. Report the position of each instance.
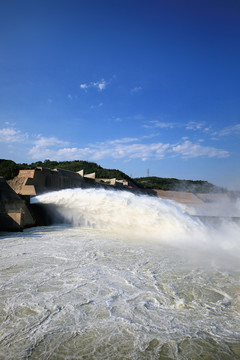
(143, 217)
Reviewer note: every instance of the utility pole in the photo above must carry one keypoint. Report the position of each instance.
(147, 172)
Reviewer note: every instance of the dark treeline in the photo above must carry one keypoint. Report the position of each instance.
(9, 169)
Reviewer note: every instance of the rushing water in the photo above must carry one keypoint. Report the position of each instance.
(128, 277)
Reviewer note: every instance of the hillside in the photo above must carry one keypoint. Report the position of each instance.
(9, 169)
(198, 186)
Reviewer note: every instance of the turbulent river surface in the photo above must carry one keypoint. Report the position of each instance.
(126, 277)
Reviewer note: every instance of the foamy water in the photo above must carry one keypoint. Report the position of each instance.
(144, 218)
(122, 281)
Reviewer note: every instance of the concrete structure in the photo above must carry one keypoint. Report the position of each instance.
(40, 180)
(90, 176)
(89, 179)
(113, 182)
(17, 214)
(123, 182)
(180, 196)
(81, 172)
(14, 211)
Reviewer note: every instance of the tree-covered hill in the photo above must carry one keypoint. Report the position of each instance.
(9, 169)
(197, 186)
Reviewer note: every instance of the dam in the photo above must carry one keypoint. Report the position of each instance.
(17, 213)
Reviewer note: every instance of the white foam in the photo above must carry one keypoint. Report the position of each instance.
(68, 293)
(142, 217)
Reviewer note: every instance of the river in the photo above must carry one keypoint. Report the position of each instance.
(126, 277)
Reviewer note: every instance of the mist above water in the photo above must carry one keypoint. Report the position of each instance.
(147, 219)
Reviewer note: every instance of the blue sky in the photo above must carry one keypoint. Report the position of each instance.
(133, 85)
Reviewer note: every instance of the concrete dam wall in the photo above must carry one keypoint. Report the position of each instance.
(16, 212)
(40, 180)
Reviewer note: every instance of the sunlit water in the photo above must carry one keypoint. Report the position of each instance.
(131, 277)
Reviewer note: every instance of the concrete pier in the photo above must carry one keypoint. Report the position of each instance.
(14, 211)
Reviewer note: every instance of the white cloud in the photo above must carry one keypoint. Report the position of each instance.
(194, 125)
(38, 153)
(100, 85)
(41, 150)
(121, 141)
(11, 135)
(124, 148)
(191, 125)
(127, 148)
(149, 136)
(49, 141)
(112, 149)
(190, 150)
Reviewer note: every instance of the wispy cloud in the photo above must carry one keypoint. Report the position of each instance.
(194, 125)
(136, 90)
(191, 125)
(11, 135)
(117, 149)
(190, 150)
(42, 141)
(100, 85)
(43, 146)
(124, 148)
(121, 141)
(96, 106)
(159, 124)
(197, 126)
(229, 130)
